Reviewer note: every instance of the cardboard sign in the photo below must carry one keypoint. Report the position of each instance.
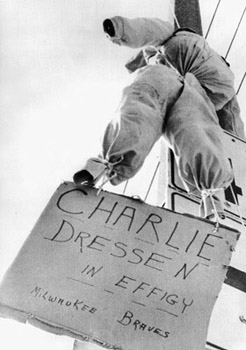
(119, 272)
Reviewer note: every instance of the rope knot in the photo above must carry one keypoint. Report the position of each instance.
(109, 172)
(211, 194)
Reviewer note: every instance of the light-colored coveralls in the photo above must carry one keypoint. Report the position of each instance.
(178, 99)
(187, 52)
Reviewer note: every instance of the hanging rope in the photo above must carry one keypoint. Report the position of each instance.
(159, 56)
(152, 180)
(212, 20)
(209, 192)
(109, 172)
(174, 17)
(125, 187)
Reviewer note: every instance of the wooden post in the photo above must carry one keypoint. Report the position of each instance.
(188, 14)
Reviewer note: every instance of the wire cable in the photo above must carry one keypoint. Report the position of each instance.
(234, 36)
(212, 20)
(241, 83)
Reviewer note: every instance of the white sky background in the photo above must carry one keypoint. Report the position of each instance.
(61, 81)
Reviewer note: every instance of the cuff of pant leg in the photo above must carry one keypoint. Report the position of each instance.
(211, 206)
(90, 173)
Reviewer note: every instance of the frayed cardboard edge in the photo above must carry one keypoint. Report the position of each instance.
(24, 317)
